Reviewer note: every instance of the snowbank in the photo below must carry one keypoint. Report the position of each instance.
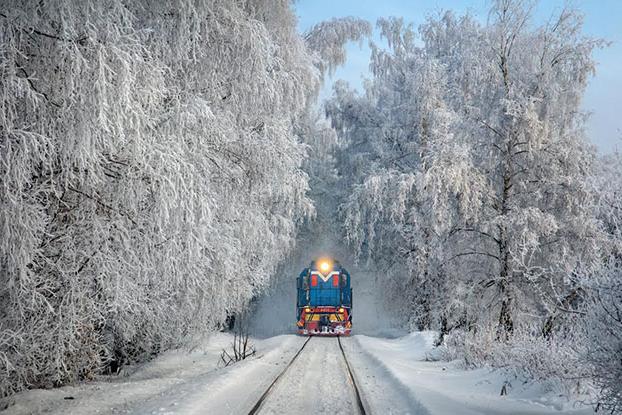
(446, 388)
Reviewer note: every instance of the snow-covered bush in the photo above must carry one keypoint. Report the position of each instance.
(603, 322)
(604, 339)
(529, 354)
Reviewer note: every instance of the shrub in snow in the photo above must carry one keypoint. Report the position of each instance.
(604, 342)
(529, 353)
(603, 322)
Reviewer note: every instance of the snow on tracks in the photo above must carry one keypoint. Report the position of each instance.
(353, 382)
(232, 390)
(261, 400)
(382, 392)
(317, 382)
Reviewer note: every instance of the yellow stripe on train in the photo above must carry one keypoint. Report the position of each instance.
(331, 317)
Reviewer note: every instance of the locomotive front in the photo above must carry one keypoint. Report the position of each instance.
(324, 300)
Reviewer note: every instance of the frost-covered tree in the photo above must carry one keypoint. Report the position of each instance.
(328, 39)
(532, 151)
(150, 173)
(468, 160)
(603, 320)
(388, 136)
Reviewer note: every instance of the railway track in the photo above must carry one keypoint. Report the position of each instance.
(351, 379)
(357, 392)
(257, 406)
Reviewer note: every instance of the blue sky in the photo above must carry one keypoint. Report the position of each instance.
(603, 19)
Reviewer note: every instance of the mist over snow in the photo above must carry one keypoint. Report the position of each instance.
(322, 237)
(273, 313)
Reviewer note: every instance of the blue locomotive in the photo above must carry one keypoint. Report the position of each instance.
(324, 299)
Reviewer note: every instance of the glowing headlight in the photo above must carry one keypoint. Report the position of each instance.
(341, 310)
(307, 310)
(324, 266)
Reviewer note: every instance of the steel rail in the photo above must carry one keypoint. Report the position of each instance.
(359, 401)
(255, 409)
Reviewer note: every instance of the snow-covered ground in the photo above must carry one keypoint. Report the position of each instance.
(395, 376)
(179, 382)
(315, 383)
(445, 388)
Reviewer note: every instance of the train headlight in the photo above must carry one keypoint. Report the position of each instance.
(341, 309)
(324, 266)
(307, 310)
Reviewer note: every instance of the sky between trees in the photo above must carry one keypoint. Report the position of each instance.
(602, 17)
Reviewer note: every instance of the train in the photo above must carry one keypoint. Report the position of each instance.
(324, 299)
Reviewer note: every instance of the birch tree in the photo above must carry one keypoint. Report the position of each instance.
(476, 163)
(151, 173)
